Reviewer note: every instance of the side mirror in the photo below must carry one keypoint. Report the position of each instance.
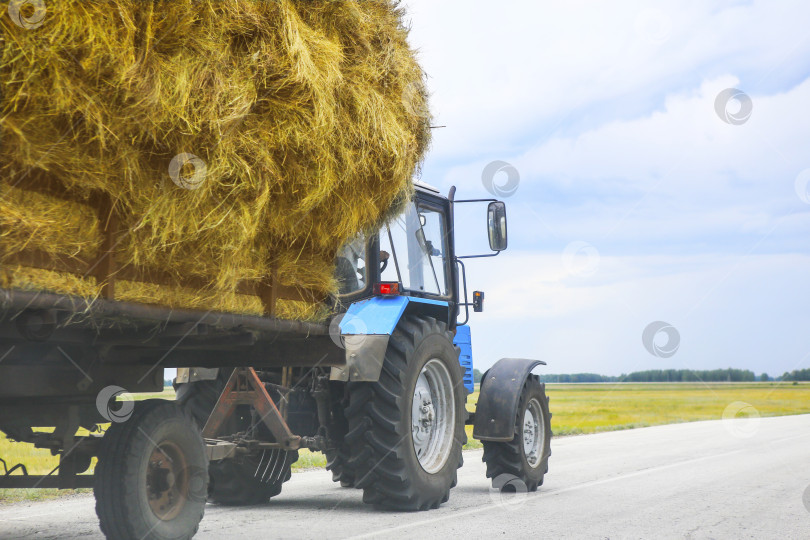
(422, 241)
(496, 225)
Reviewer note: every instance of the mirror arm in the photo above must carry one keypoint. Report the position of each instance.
(478, 256)
(477, 200)
(466, 303)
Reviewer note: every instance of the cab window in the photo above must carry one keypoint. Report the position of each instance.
(414, 244)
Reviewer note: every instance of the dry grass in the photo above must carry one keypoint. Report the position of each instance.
(305, 114)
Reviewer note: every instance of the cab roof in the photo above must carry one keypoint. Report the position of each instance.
(418, 184)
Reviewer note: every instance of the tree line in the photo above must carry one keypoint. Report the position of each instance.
(797, 375)
(670, 375)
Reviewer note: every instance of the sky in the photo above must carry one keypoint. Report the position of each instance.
(661, 154)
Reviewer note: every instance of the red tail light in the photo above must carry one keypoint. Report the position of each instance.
(387, 288)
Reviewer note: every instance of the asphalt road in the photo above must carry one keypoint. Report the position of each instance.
(718, 479)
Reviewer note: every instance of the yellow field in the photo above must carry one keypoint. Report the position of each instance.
(590, 408)
(576, 408)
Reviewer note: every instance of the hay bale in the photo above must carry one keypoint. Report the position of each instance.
(300, 115)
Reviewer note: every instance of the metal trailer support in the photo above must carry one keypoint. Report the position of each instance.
(245, 388)
(499, 398)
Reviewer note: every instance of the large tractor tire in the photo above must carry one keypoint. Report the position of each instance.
(406, 430)
(337, 458)
(525, 457)
(151, 479)
(245, 480)
(249, 481)
(337, 461)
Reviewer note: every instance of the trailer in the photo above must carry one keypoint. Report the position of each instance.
(380, 388)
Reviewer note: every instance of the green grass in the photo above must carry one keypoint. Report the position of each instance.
(576, 409)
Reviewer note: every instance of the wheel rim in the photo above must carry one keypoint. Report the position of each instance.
(533, 433)
(433, 416)
(167, 480)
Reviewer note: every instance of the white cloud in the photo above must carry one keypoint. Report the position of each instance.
(608, 112)
(507, 70)
(676, 175)
(740, 311)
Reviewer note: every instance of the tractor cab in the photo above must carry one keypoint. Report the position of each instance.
(413, 255)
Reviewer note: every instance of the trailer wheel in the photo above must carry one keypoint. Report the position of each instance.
(151, 478)
(525, 457)
(241, 481)
(406, 430)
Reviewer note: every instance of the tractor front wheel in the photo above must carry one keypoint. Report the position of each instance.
(525, 457)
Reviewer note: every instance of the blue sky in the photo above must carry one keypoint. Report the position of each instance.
(637, 202)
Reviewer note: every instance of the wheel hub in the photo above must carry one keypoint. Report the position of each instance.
(433, 416)
(423, 415)
(167, 481)
(533, 436)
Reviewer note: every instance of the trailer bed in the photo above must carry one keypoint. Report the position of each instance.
(87, 344)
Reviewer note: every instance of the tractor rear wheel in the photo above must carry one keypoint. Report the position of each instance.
(250, 480)
(245, 480)
(151, 478)
(525, 457)
(337, 461)
(406, 430)
(337, 458)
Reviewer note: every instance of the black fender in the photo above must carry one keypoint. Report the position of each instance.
(499, 398)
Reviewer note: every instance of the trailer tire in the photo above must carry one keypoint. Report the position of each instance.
(151, 479)
(233, 482)
(405, 454)
(510, 458)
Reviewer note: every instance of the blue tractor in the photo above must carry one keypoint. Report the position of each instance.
(381, 390)
(394, 422)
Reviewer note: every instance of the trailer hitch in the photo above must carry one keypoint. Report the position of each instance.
(245, 388)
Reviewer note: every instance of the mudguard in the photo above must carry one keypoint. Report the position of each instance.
(499, 398)
(365, 329)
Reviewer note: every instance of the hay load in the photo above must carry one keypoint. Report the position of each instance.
(198, 154)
